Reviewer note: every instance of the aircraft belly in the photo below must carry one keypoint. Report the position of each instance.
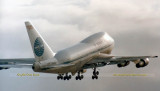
(61, 70)
(78, 66)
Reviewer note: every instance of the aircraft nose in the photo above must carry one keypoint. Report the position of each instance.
(109, 38)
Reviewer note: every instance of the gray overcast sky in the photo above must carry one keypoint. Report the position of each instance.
(134, 24)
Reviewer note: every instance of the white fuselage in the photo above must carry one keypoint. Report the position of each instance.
(82, 53)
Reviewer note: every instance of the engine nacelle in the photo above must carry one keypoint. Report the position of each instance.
(36, 66)
(123, 64)
(142, 63)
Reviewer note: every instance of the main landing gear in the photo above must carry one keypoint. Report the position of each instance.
(79, 77)
(66, 77)
(95, 73)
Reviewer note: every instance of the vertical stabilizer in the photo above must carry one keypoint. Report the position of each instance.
(40, 48)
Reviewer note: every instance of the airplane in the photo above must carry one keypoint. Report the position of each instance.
(90, 53)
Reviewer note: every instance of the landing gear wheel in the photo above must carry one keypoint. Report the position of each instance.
(81, 76)
(92, 77)
(69, 76)
(137, 65)
(58, 77)
(64, 78)
(76, 77)
(96, 77)
(61, 77)
(97, 72)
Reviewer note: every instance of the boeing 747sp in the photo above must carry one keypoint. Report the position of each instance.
(92, 52)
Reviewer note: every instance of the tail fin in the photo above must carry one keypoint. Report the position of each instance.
(40, 48)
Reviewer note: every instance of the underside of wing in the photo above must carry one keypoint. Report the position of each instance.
(16, 63)
(121, 61)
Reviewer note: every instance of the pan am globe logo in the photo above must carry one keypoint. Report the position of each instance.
(38, 47)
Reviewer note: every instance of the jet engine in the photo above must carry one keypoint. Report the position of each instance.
(123, 64)
(36, 66)
(142, 63)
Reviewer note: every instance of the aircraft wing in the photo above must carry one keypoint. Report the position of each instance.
(26, 63)
(16, 63)
(105, 59)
